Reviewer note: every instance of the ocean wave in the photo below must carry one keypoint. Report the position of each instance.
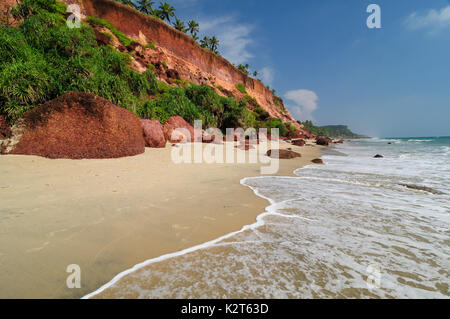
(317, 237)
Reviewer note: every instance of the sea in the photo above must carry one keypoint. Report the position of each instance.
(356, 227)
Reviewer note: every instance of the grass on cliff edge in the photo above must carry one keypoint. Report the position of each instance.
(43, 59)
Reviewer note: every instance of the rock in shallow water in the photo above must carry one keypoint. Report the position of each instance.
(422, 188)
(317, 161)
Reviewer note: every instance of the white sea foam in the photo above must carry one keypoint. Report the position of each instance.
(321, 232)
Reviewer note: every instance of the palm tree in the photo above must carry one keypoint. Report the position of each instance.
(193, 27)
(204, 43)
(243, 68)
(214, 44)
(145, 6)
(179, 25)
(166, 11)
(255, 74)
(195, 37)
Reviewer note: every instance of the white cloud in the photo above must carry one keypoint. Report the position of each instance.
(267, 76)
(433, 19)
(234, 37)
(306, 104)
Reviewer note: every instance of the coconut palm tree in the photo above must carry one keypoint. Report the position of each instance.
(179, 25)
(204, 43)
(145, 6)
(214, 44)
(166, 11)
(255, 74)
(193, 27)
(243, 68)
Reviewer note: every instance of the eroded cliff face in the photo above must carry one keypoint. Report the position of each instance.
(5, 12)
(180, 53)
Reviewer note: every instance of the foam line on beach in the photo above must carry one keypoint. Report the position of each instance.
(269, 211)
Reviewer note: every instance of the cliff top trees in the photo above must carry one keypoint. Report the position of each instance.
(244, 68)
(166, 11)
(210, 43)
(179, 25)
(145, 6)
(193, 27)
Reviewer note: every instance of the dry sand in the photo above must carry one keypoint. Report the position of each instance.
(108, 215)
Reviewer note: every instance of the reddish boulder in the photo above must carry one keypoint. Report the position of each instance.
(299, 142)
(153, 134)
(324, 141)
(79, 126)
(283, 154)
(176, 130)
(303, 134)
(339, 142)
(317, 161)
(5, 131)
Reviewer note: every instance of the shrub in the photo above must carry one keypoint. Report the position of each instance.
(126, 41)
(277, 123)
(241, 88)
(151, 45)
(172, 103)
(262, 115)
(43, 59)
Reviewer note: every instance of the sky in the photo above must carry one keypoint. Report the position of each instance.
(329, 67)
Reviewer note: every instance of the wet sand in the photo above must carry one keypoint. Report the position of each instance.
(109, 215)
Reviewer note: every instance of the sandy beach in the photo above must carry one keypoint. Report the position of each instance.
(108, 215)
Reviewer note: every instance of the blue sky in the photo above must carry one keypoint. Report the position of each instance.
(328, 66)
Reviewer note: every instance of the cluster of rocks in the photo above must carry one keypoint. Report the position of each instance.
(84, 126)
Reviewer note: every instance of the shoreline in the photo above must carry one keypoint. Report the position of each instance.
(105, 242)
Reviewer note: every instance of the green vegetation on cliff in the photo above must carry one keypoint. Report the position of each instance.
(333, 131)
(43, 59)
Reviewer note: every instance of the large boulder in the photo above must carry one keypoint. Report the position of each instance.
(297, 134)
(299, 142)
(176, 129)
(324, 141)
(78, 126)
(283, 154)
(153, 134)
(5, 131)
